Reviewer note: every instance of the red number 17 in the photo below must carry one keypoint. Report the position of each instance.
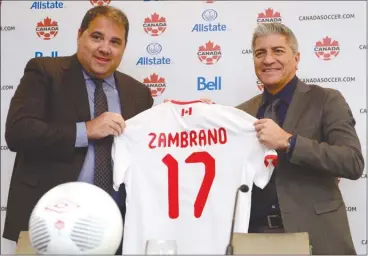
(173, 182)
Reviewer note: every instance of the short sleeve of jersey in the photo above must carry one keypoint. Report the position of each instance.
(264, 163)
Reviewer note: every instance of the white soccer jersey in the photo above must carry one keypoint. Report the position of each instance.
(181, 163)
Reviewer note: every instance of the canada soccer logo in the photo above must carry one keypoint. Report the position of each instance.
(209, 54)
(269, 16)
(327, 49)
(260, 85)
(154, 25)
(156, 84)
(100, 2)
(47, 29)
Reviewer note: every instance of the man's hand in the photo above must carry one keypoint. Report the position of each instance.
(104, 125)
(271, 135)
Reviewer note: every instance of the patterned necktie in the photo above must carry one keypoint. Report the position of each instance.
(103, 166)
(270, 111)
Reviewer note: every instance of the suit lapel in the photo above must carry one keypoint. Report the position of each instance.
(75, 87)
(125, 95)
(297, 106)
(254, 106)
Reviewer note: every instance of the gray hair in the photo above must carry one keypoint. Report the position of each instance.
(266, 29)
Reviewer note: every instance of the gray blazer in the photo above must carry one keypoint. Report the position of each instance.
(327, 147)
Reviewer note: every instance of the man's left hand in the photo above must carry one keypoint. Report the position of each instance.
(271, 134)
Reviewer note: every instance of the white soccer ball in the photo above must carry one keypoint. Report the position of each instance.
(76, 218)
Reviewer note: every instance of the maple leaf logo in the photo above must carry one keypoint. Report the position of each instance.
(155, 18)
(210, 53)
(269, 13)
(47, 29)
(210, 46)
(154, 78)
(47, 22)
(156, 84)
(260, 85)
(100, 2)
(327, 49)
(327, 41)
(154, 25)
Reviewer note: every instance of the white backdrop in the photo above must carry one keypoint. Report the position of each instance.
(178, 34)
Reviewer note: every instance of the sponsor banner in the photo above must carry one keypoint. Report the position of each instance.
(7, 87)
(337, 79)
(41, 5)
(194, 49)
(7, 28)
(335, 16)
(154, 50)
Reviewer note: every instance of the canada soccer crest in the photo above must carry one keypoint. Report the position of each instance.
(156, 84)
(154, 25)
(47, 29)
(327, 49)
(269, 16)
(100, 2)
(210, 53)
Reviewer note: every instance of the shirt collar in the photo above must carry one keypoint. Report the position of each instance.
(109, 80)
(286, 94)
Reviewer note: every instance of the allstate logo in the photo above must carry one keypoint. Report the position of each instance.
(209, 15)
(154, 48)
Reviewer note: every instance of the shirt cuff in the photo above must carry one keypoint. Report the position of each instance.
(81, 137)
(292, 146)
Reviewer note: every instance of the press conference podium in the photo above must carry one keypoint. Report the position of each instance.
(286, 243)
(24, 245)
(272, 243)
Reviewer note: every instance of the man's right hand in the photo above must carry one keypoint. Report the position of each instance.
(104, 125)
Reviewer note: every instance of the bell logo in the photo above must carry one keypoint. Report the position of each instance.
(327, 49)
(269, 16)
(209, 54)
(156, 84)
(154, 25)
(47, 29)
(100, 2)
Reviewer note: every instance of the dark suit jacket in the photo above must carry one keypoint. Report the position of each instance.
(41, 127)
(327, 147)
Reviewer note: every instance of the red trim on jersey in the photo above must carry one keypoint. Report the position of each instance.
(185, 102)
(271, 158)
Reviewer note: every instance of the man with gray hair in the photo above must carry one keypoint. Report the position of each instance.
(313, 131)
